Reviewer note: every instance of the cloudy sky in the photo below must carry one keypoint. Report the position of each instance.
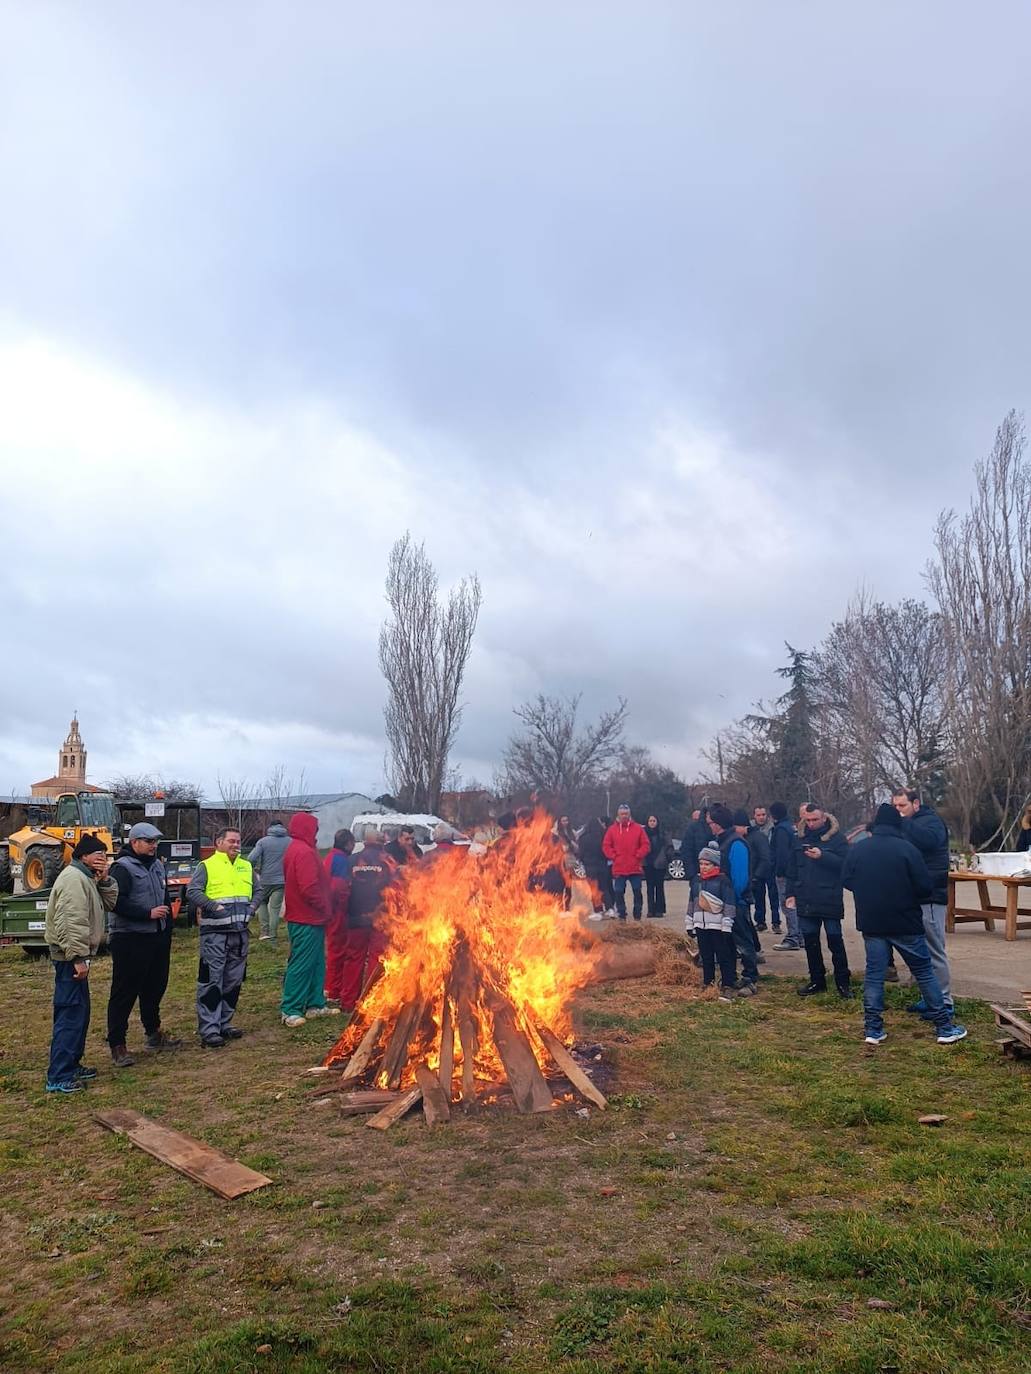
(673, 321)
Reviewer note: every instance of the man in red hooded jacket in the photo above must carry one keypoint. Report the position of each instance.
(308, 911)
(626, 846)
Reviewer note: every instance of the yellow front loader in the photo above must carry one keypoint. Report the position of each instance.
(33, 856)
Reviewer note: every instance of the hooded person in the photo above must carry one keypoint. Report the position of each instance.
(266, 858)
(308, 903)
(890, 881)
(74, 929)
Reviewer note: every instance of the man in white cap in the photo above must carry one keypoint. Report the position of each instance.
(140, 940)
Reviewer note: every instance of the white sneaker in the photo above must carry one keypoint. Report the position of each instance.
(293, 1021)
(321, 1011)
(263, 937)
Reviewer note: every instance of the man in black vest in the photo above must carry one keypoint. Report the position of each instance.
(735, 866)
(140, 941)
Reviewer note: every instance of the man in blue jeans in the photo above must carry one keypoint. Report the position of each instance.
(890, 882)
(925, 829)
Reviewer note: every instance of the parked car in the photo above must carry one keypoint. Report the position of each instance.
(675, 868)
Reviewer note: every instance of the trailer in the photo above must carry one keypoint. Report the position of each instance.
(23, 921)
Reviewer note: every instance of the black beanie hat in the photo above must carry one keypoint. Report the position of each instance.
(89, 844)
(741, 817)
(887, 815)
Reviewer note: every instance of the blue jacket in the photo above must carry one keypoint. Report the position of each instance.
(736, 865)
(889, 880)
(930, 834)
(782, 839)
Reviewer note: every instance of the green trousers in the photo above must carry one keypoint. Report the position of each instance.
(305, 976)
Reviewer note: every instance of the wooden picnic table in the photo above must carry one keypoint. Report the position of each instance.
(989, 912)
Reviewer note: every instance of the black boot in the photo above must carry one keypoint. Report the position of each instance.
(811, 989)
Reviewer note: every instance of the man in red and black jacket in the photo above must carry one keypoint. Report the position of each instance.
(626, 846)
(337, 864)
(372, 872)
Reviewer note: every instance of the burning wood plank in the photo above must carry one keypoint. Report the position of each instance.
(396, 1055)
(446, 1070)
(394, 1111)
(435, 1105)
(571, 1068)
(529, 1089)
(359, 1061)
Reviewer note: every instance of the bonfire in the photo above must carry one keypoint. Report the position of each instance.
(475, 989)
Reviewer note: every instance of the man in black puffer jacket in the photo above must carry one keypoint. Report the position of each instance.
(891, 883)
(925, 829)
(814, 890)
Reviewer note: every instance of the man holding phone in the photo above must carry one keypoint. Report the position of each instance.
(814, 889)
(74, 928)
(140, 941)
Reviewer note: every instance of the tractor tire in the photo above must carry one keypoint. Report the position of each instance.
(43, 863)
(6, 879)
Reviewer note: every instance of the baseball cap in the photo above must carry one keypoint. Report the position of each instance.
(143, 830)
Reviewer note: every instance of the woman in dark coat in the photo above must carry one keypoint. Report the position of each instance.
(655, 868)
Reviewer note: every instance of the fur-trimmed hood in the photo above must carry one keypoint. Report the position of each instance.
(832, 829)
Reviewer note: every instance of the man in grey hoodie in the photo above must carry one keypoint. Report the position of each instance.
(267, 860)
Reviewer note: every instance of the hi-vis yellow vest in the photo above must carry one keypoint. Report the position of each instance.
(232, 884)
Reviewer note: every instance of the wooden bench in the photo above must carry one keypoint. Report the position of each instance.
(988, 912)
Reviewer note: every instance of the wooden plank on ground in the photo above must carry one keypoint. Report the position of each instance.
(365, 1101)
(394, 1111)
(359, 1061)
(571, 1068)
(395, 1056)
(224, 1176)
(529, 1088)
(435, 1104)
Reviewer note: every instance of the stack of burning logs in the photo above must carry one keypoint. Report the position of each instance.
(430, 1053)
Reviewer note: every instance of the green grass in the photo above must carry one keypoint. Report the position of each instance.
(770, 1180)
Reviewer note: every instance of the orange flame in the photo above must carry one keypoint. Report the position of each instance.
(466, 927)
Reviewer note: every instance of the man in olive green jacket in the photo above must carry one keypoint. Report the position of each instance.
(74, 928)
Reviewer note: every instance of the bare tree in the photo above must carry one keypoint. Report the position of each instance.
(982, 582)
(234, 793)
(424, 646)
(880, 685)
(552, 755)
(283, 790)
(137, 786)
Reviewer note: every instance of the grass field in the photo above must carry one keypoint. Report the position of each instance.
(776, 1207)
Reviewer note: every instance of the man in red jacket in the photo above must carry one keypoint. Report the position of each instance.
(625, 846)
(308, 911)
